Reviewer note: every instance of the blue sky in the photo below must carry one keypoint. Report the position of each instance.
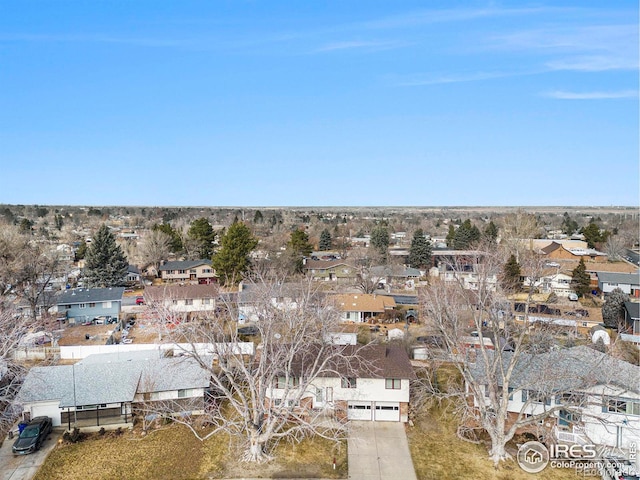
(319, 103)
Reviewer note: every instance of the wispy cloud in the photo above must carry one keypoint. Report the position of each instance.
(435, 79)
(594, 63)
(564, 95)
(361, 45)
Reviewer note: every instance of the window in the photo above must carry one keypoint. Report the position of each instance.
(510, 393)
(281, 382)
(106, 304)
(174, 302)
(538, 397)
(67, 307)
(82, 305)
(570, 399)
(193, 270)
(206, 301)
(621, 405)
(277, 402)
(186, 392)
(392, 384)
(348, 382)
(92, 305)
(188, 301)
(181, 271)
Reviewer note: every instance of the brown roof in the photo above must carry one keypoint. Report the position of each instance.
(357, 361)
(180, 292)
(364, 302)
(552, 247)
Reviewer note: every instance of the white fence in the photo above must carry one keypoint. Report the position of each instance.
(78, 352)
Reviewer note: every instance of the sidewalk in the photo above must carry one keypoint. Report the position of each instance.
(379, 451)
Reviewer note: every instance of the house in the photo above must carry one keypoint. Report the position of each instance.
(82, 305)
(632, 318)
(109, 388)
(336, 270)
(133, 277)
(191, 271)
(371, 383)
(254, 301)
(183, 298)
(395, 275)
(591, 397)
(360, 307)
(629, 283)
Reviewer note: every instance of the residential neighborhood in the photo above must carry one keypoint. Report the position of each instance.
(329, 338)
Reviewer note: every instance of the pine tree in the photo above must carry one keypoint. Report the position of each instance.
(325, 241)
(380, 241)
(232, 261)
(580, 279)
(105, 262)
(176, 242)
(491, 233)
(511, 275)
(613, 308)
(202, 233)
(299, 247)
(420, 251)
(450, 236)
(466, 235)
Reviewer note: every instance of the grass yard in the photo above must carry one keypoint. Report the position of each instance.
(173, 452)
(438, 453)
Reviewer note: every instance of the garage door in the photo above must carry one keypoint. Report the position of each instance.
(47, 410)
(387, 412)
(359, 411)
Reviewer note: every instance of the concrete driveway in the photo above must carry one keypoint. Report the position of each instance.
(379, 451)
(24, 467)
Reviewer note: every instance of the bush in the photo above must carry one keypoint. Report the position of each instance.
(74, 436)
(102, 431)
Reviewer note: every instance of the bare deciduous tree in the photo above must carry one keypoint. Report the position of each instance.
(490, 362)
(155, 248)
(263, 399)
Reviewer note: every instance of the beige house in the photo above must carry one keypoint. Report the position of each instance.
(359, 307)
(188, 271)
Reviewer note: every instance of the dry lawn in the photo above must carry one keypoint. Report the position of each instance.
(438, 453)
(172, 452)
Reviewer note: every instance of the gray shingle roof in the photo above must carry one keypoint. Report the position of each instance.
(86, 295)
(567, 369)
(111, 378)
(626, 278)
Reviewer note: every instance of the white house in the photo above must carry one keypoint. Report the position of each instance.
(105, 388)
(590, 397)
(371, 384)
(629, 283)
(359, 307)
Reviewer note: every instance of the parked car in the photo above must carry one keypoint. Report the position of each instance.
(251, 330)
(32, 436)
(573, 297)
(139, 300)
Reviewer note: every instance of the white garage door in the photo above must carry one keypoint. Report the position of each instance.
(387, 412)
(359, 411)
(47, 410)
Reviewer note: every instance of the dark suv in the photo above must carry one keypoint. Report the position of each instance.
(33, 436)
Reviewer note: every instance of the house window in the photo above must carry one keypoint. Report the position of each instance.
(82, 305)
(348, 382)
(188, 301)
(106, 304)
(181, 271)
(392, 384)
(510, 393)
(193, 270)
(185, 393)
(281, 382)
(92, 305)
(206, 301)
(620, 405)
(277, 402)
(538, 397)
(67, 307)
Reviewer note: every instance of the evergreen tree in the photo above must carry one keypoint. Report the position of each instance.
(232, 261)
(491, 233)
(325, 241)
(380, 241)
(466, 235)
(568, 226)
(511, 275)
(257, 217)
(580, 279)
(420, 251)
(450, 236)
(81, 251)
(105, 262)
(593, 235)
(613, 308)
(299, 247)
(201, 232)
